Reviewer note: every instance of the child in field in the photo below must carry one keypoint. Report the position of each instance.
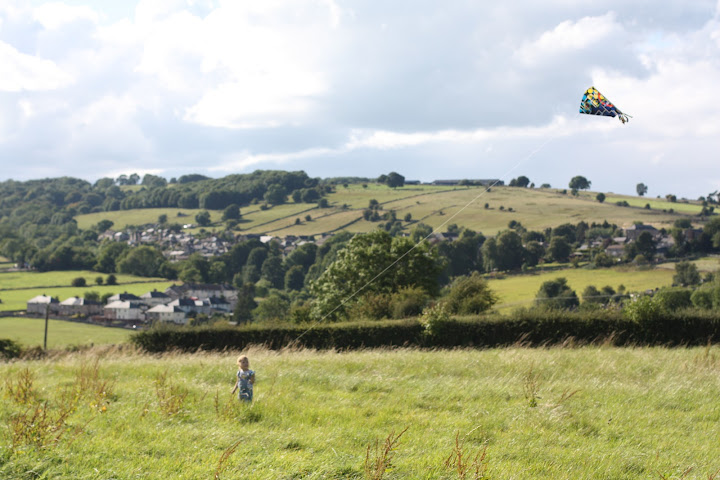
(245, 380)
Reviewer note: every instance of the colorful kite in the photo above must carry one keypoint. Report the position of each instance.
(595, 103)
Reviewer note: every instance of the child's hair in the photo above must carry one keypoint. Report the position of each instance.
(241, 358)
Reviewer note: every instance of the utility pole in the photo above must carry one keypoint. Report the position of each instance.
(47, 315)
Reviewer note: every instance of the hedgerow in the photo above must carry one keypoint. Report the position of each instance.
(531, 327)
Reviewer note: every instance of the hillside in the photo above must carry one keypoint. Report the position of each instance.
(536, 209)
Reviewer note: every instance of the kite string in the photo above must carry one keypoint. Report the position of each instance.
(505, 175)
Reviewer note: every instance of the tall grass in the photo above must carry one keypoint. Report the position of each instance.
(600, 412)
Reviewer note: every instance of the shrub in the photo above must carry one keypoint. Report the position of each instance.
(470, 295)
(408, 302)
(9, 348)
(79, 282)
(556, 294)
(686, 273)
(674, 298)
(702, 298)
(642, 310)
(373, 306)
(434, 319)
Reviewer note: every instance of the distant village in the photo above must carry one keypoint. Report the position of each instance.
(175, 305)
(180, 303)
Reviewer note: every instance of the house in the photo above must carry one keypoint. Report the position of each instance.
(203, 290)
(124, 310)
(219, 304)
(633, 232)
(166, 313)
(154, 298)
(184, 304)
(79, 306)
(615, 251)
(123, 297)
(41, 304)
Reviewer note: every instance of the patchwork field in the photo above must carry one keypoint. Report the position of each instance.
(514, 413)
(433, 205)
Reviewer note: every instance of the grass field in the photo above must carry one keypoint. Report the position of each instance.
(519, 290)
(16, 288)
(464, 206)
(585, 413)
(30, 332)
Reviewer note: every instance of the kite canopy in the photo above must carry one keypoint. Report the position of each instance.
(595, 103)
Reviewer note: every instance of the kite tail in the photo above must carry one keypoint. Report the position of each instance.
(624, 117)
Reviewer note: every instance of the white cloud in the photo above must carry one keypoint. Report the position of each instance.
(568, 36)
(228, 85)
(22, 72)
(53, 15)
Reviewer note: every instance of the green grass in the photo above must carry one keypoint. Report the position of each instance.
(598, 413)
(519, 290)
(656, 203)
(536, 209)
(16, 288)
(142, 216)
(30, 332)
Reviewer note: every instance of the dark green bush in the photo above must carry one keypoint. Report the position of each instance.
(532, 327)
(674, 298)
(9, 349)
(702, 298)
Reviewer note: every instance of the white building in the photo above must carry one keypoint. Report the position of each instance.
(40, 304)
(126, 310)
(77, 305)
(166, 313)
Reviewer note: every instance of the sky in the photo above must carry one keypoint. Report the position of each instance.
(431, 90)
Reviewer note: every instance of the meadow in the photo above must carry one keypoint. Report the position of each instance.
(535, 208)
(515, 413)
(30, 332)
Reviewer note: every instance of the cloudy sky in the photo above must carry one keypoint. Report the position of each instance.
(429, 89)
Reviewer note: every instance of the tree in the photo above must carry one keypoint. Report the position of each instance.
(510, 253)
(559, 249)
(109, 255)
(273, 308)
(470, 295)
(579, 183)
(275, 195)
(79, 282)
(294, 278)
(374, 263)
(272, 270)
(245, 304)
(686, 273)
(600, 197)
(641, 189)
(522, 181)
(231, 212)
(203, 218)
(645, 245)
(92, 296)
(557, 294)
(104, 225)
(394, 180)
(592, 295)
(143, 261)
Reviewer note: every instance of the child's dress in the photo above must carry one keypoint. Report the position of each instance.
(245, 387)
